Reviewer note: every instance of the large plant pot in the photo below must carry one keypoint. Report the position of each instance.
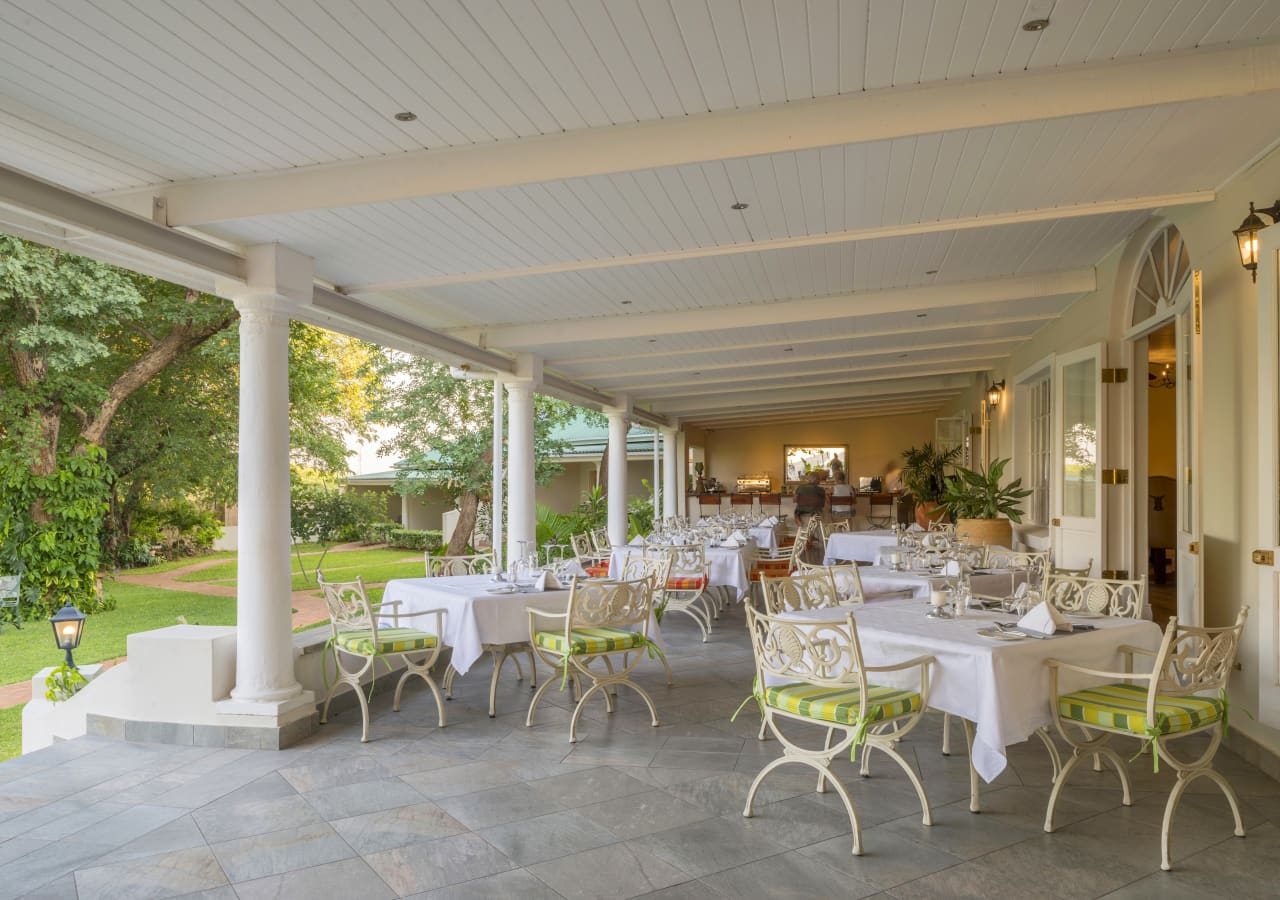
(927, 511)
(996, 532)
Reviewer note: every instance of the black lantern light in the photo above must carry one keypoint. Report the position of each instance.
(994, 393)
(1247, 235)
(68, 626)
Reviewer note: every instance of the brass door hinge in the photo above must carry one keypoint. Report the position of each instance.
(1196, 296)
(1115, 476)
(1056, 523)
(1264, 557)
(1115, 376)
(1194, 548)
(1116, 574)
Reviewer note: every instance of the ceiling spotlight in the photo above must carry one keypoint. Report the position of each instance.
(740, 206)
(902, 356)
(653, 340)
(921, 315)
(406, 117)
(1035, 25)
(931, 271)
(625, 302)
(787, 349)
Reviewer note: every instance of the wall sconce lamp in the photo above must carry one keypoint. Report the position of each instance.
(68, 628)
(1247, 235)
(994, 393)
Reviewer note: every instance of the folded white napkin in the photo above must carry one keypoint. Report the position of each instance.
(740, 536)
(637, 541)
(768, 522)
(731, 541)
(573, 567)
(915, 526)
(952, 568)
(1043, 619)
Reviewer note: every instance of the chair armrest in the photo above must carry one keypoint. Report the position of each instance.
(1129, 648)
(543, 614)
(423, 612)
(909, 664)
(1123, 676)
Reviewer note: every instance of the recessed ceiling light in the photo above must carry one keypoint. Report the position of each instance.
(406, 117)
(653, 340)
(902, 356)
(1035, 25)
(740, 206)
(787, 349)
(921, 315)
(697, 373)
(931, 271)
(625, 302)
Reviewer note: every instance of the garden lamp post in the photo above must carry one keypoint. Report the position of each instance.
(68, 627)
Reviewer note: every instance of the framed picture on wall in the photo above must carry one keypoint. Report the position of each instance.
(801, 460)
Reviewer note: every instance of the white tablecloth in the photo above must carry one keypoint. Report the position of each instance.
(1001, 686)
(766, 538)
(474, 617)
(858, 545)
(881, 581)
(730, 566)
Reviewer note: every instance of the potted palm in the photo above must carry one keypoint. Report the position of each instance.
(982, 508)
(924, 475)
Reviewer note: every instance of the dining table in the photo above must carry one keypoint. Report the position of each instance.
(882, 582)
(998, 685)
(729, 567)
(858, 546)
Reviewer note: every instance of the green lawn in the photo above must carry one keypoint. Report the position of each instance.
(25, 652)
(171, 564)
(346, 563)
(10, 732)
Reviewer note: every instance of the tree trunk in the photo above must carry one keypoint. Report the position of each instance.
(468, 506)
(602, 480)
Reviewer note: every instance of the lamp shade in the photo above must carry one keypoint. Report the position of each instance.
(1247, 239)
(68, 627)
(994, 392)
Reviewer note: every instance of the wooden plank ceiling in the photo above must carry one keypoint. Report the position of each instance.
(862, 277)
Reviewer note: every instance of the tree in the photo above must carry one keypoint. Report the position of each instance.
(79, 338)
(444, 433)
(327, 515)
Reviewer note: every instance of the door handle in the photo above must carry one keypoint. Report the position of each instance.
(1055, 523)
(1194, 548)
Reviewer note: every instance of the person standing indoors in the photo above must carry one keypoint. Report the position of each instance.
(841, 498)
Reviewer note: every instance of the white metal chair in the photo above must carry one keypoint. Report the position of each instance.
(847, 579)
(593, 562)
(1126, 598)
(687, 579)
(11, 598)
(813, 672)
(655, 566)
(356, 635)
(605, 619)
(1035, 564)
(1172, 704)
(806, 589)
(444, 566)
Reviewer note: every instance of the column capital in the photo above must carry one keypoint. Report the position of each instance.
(528, 372)
(622, 407)
(278, 280)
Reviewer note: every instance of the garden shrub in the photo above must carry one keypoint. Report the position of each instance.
(415, 539)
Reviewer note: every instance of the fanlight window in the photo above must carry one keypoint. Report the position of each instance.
(1163, 271)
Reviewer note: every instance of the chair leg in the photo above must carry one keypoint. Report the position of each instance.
(533, 670)
(537, 696)
(946, 734)
(826, 745)
(499, 657)
(975, 783)
(893, 754)
(1054, 756)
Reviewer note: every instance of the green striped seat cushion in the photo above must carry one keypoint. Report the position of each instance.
(590, 640)
(390, 640)
(840, 705)
(1123, 707)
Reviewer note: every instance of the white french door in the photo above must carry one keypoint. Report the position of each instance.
(1076, 491)
(1264, 624)
(1190, 393)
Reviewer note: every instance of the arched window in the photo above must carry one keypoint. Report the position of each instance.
(1162, 271)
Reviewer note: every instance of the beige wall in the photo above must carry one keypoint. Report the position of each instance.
(1162, 435)
(1229, 511)
(873, 444)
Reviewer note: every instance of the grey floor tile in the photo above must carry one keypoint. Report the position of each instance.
(710, 846)
(464, 779)
(346, 878)
(18, 847)
(510, 803)
(180, 834)
(588, 786)
(887, 859)
(727, 792)
(643, 814)
(63, 888)
(164, 875)
(435, 864)
(390, 828)
(129, 825)
(312, 775)
(515, 883)
(281, 851)
(225, 822)
(787, 876)
(614, 871)
(547, 837)
(27, 873)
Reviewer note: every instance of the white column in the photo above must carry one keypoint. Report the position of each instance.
(673, 484)
(496, 504)
(682, 467)
(657, 479)
(617, 501)
(264, 645)
(521, 514)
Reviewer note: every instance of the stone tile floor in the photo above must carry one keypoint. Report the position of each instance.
(488, 808)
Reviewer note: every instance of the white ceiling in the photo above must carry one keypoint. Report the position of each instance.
(109, 96)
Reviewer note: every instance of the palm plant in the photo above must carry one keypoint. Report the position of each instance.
(924, 471)
(978, 494)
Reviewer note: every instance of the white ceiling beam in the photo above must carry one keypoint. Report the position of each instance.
(823, 416)
(788, 312)
(923, 326)
(1198, 74)
(888, 408)
(791, 360)
(843, 374)
(710, 403)
(1020, 217)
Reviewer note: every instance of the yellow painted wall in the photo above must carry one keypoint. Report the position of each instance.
(873, 444)
(1162, 446)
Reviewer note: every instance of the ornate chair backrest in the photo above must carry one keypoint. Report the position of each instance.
(651, 564)
(1104, 596)
(614, 603)
(846, 578)
(684, 560)
(479, 564)
(10, 587)
(814, 589)
(943, 527)
(1193, 660)
(973, 557)
(582, 546)
(348, 605)
(821, 653)
(1036, 564)
(1082, 572)
(600, 540)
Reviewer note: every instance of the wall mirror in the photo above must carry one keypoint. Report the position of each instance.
(799, 460)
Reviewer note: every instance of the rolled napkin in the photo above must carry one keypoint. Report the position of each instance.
(637, 541)
(1043, 619)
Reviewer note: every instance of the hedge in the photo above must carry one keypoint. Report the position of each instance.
(415, 539)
